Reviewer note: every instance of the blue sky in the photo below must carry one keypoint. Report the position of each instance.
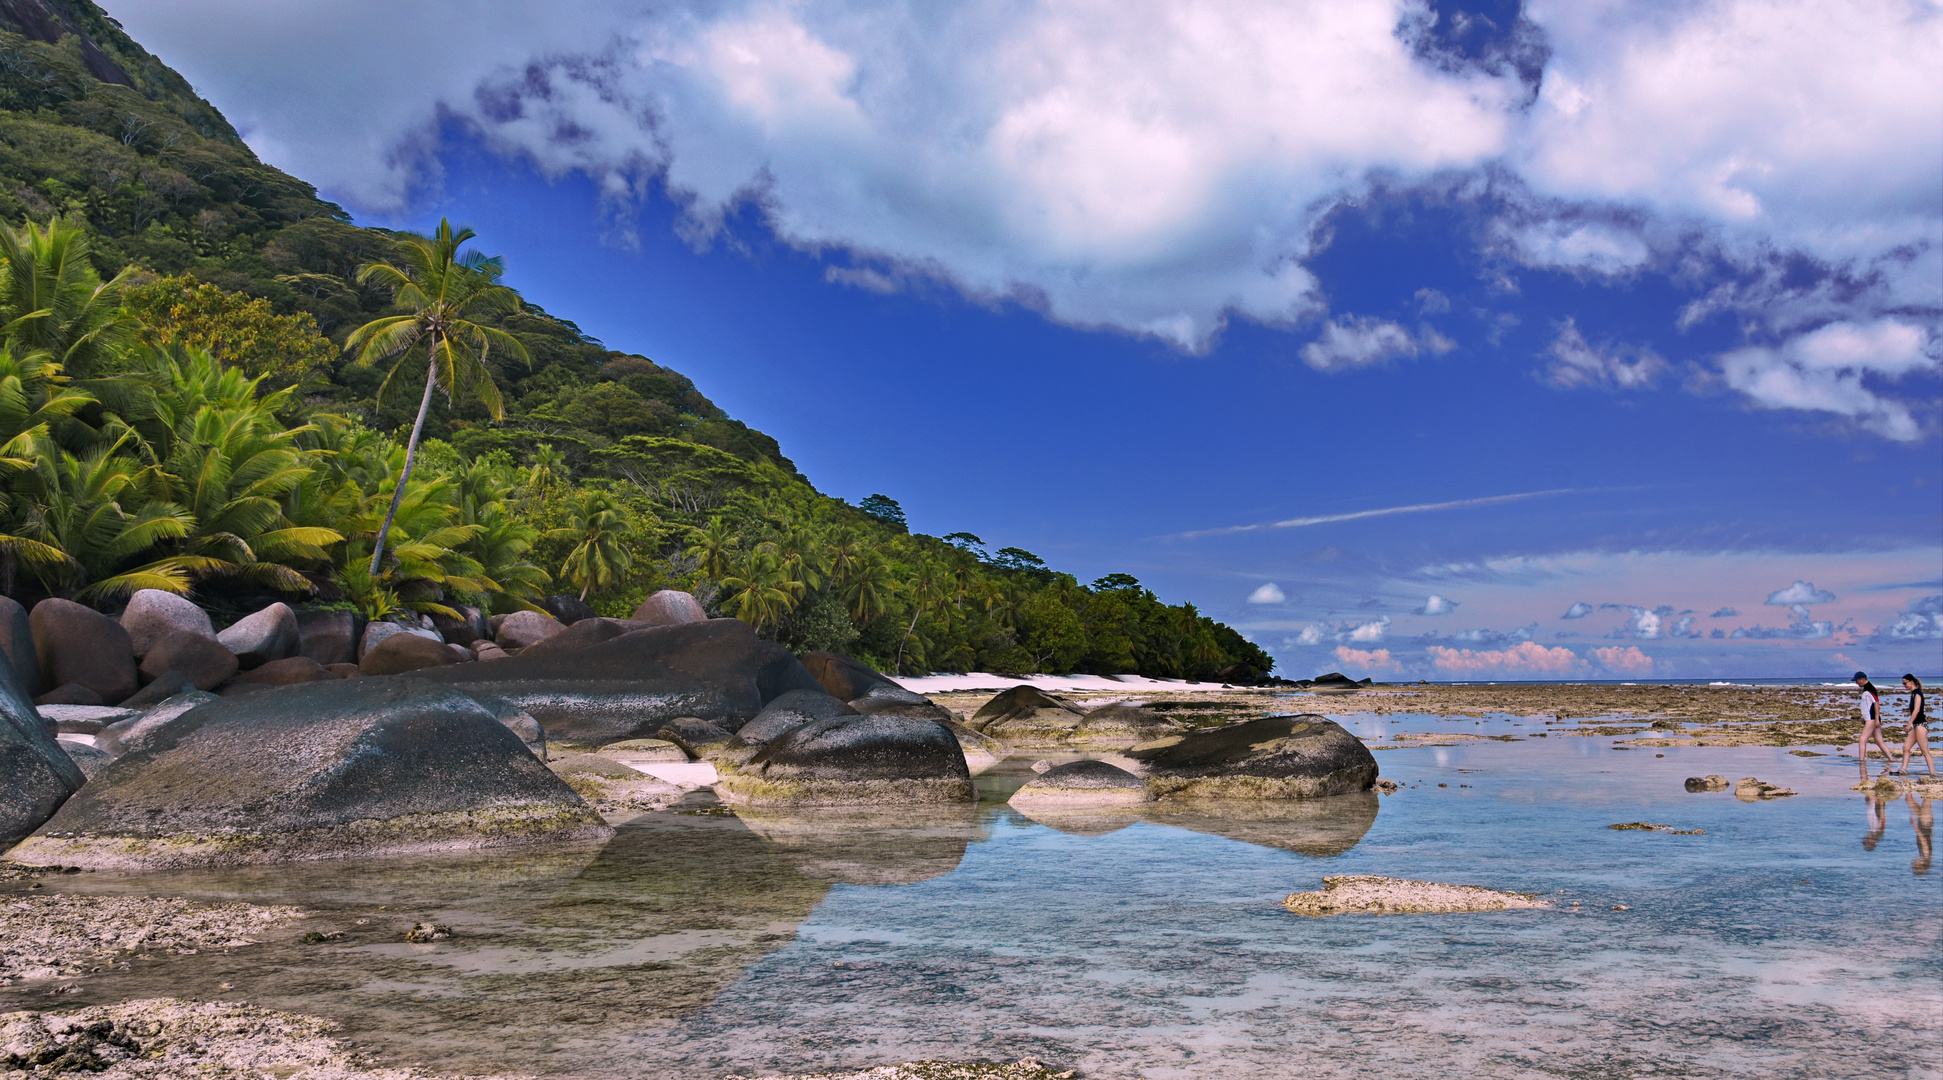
(1415, 342)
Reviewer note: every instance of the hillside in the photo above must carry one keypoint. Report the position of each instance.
(220, 291)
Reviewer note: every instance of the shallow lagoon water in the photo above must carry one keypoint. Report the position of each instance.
(700, 944)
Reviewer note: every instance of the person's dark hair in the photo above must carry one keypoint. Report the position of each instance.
(1917, 681)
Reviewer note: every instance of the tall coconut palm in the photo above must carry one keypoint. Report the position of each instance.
(443, 293)
(597, 560)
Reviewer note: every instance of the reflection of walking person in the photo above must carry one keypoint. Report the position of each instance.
(1921, 815)
(1871, 705)
(1918, 737)
(1878, 819)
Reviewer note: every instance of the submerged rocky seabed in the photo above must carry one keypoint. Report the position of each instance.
(1118, 937)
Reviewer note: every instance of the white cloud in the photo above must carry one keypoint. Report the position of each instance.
(1524, 658)
(1578, 610)
(1801, 592)
(1724, 613)
(1437, 605)
(1824, 371)
(1921, 621)
(1811, 123)
(1357, 341)
(1624, 661)
(1267, 593)
(1576, 363)
(1154, 166)
(1372, 630)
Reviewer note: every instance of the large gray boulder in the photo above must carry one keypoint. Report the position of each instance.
(1114, 727)
(516, 720)
(568, 609)
(82, 646)
(199, 658)
(17, 647)
(136, 732)
(36, 775)
(152, 615)
(789, 710)
(329, 637)
(852, 761)
(270, 634)
(159, 690)
(670, 607)
(468, 627)
(1089, 785)
(628, 687)
(1028, 716)
(360, 767)
(88, 759)
(778, 672)
(524, 628)
(845, 678)
(583, 634)
(375, 634)
(1276, 757)
(400, 653)
(288, 672)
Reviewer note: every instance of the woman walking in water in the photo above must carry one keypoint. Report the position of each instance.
(1918, 737)
(1871, 705)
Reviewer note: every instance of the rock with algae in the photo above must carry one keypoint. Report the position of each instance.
(1716, 782)
(1751, 789)
(1365, 894)
(167, 1037)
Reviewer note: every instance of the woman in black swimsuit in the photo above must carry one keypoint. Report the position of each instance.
(1918, 737)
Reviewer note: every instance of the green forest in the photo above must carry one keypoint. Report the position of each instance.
(209, 379)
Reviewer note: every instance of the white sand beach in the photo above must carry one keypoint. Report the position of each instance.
(981, 680)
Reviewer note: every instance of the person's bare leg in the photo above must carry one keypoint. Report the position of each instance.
(1888, 758)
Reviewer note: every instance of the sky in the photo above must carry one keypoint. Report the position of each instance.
(1414, 340)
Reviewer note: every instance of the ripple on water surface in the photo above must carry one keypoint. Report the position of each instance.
(1789, 938)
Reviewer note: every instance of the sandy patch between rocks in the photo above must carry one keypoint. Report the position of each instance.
(1364, 894)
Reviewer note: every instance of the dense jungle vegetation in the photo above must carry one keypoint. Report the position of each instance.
(178, 410)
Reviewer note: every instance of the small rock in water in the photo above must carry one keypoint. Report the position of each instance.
(1750, 789)
(1041, 766)
(426, 932)
(1387, 787)
(1650, 827)
(1364, 894)
(1715, 782)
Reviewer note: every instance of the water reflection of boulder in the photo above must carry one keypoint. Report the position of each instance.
(858, 846)
(1328, 826)
(1080, 822)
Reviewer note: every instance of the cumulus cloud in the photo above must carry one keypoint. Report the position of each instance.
(1837, 369)
(1801, 592)
(1525, 658)
(1921, 621)
(1576, 363)
(1577, 611)
(1683, 628)
(1267, 593)
(1368, 659)
(1642, 623)
(1437, 605)
(1482, 636)
(1624, 661)
(1724, 613)
(1805, 627)
(1356, 341)
(1352, 632)
(1155, 166)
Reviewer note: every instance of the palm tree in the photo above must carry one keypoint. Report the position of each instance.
(926, 589)
(443, 292)
(711, 548)
(762, 590)
(53, 302)
(598, 560)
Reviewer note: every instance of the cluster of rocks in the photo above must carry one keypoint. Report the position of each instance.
(266, 742)
(1366, 894)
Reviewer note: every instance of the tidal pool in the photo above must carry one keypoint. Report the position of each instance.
(1794, 938)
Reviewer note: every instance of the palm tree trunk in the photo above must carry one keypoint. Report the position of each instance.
(908, 631)
(411, 454)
